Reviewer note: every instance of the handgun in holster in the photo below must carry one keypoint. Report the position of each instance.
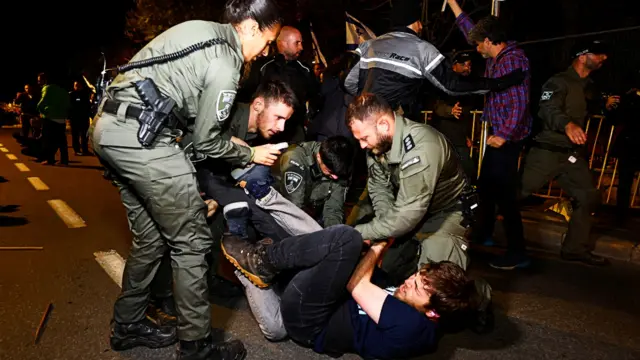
(157, 114)
(470, 203)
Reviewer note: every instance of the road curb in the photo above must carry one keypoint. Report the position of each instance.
(548, 236)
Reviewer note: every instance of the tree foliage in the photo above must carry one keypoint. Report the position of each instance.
(151, 17)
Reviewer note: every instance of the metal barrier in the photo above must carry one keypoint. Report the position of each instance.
(481, 138)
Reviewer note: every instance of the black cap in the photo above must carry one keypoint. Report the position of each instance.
(405, 12)
(461, 57)
(589, 47)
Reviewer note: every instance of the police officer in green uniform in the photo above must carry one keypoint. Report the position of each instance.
(415, 183)
(558, 149)
(195, 64)
(315, 177)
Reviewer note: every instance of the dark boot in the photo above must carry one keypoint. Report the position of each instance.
(250, 259)
(205, 349)
(141, 333)
(163, 311)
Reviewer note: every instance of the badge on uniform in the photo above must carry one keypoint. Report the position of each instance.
(546, 95)
(224, 104)
(292, 181)
(408, 143)
(412, 161)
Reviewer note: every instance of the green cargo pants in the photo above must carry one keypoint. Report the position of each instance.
(165, 211)
(576, 180)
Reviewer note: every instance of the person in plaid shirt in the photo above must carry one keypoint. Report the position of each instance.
(508, 113)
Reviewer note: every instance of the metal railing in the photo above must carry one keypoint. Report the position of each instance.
(477, 150)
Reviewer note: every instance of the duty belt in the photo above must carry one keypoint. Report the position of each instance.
(133, 111)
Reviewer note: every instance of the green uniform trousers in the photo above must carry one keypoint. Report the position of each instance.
(160, 193)
(576, 180)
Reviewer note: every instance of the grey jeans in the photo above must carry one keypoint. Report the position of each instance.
(265, 303)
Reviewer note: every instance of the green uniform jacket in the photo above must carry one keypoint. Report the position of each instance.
(420, 175)
(303, 183)
(203, 84)
(565, 97)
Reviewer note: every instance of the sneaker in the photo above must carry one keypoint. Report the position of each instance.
(510, 262)
(250, 259)
(586, 258)
(141, 333)
(237, 216)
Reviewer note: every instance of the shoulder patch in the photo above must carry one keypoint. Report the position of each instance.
(546, 95)
(408, 143)
(224, 104)
(292, 181)
(414, 160)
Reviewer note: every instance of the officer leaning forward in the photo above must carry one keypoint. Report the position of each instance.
(315, 177)
(418, 190)
(158, 185)
(558, 149)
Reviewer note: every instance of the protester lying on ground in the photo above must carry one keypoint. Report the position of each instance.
(369, 322)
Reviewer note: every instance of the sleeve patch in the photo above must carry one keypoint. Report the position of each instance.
(292, 181)
(224, 104)
(546, 95)
(408, 143)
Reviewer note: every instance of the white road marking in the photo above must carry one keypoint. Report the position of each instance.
(22, 167)
(3, 149)
(112, 263)
(11, 157)
(38, 184)
(66, 213)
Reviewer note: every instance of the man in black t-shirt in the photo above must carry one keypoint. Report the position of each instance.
(332, 306)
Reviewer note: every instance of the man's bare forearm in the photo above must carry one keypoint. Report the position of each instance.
(364, 270)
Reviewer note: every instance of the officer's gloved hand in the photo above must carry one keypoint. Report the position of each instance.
(515, 77)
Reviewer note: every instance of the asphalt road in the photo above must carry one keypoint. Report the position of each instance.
(555, 310)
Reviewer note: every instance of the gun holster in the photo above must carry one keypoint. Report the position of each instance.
(470, 204)
(157, 114)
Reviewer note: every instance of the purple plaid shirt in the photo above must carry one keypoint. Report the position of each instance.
(508, 110)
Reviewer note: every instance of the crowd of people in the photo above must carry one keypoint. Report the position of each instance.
(254, 159)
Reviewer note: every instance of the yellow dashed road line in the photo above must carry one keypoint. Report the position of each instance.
(38, 184)
(11, 157)
(22, 167)
(5, 150)
(66, 213)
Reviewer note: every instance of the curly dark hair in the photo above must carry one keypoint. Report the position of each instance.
(490, 28)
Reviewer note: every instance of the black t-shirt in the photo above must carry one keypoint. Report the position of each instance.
(401, 332)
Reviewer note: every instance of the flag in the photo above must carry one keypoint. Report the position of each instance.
(357, 33)
(317, 54)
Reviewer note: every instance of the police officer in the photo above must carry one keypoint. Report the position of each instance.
(415, 182)
(558, 150)
(452, 117)
(315, 176)
(159, 188)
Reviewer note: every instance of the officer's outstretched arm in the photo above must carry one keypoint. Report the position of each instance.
(418, 178)
(216, 100)
(552, 104)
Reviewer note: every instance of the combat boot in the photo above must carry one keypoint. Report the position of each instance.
(141, 333)
(205, 349)
(163, 311)
(250, 259)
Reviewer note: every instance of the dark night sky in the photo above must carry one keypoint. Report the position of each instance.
(66, 37)
(56, 37)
